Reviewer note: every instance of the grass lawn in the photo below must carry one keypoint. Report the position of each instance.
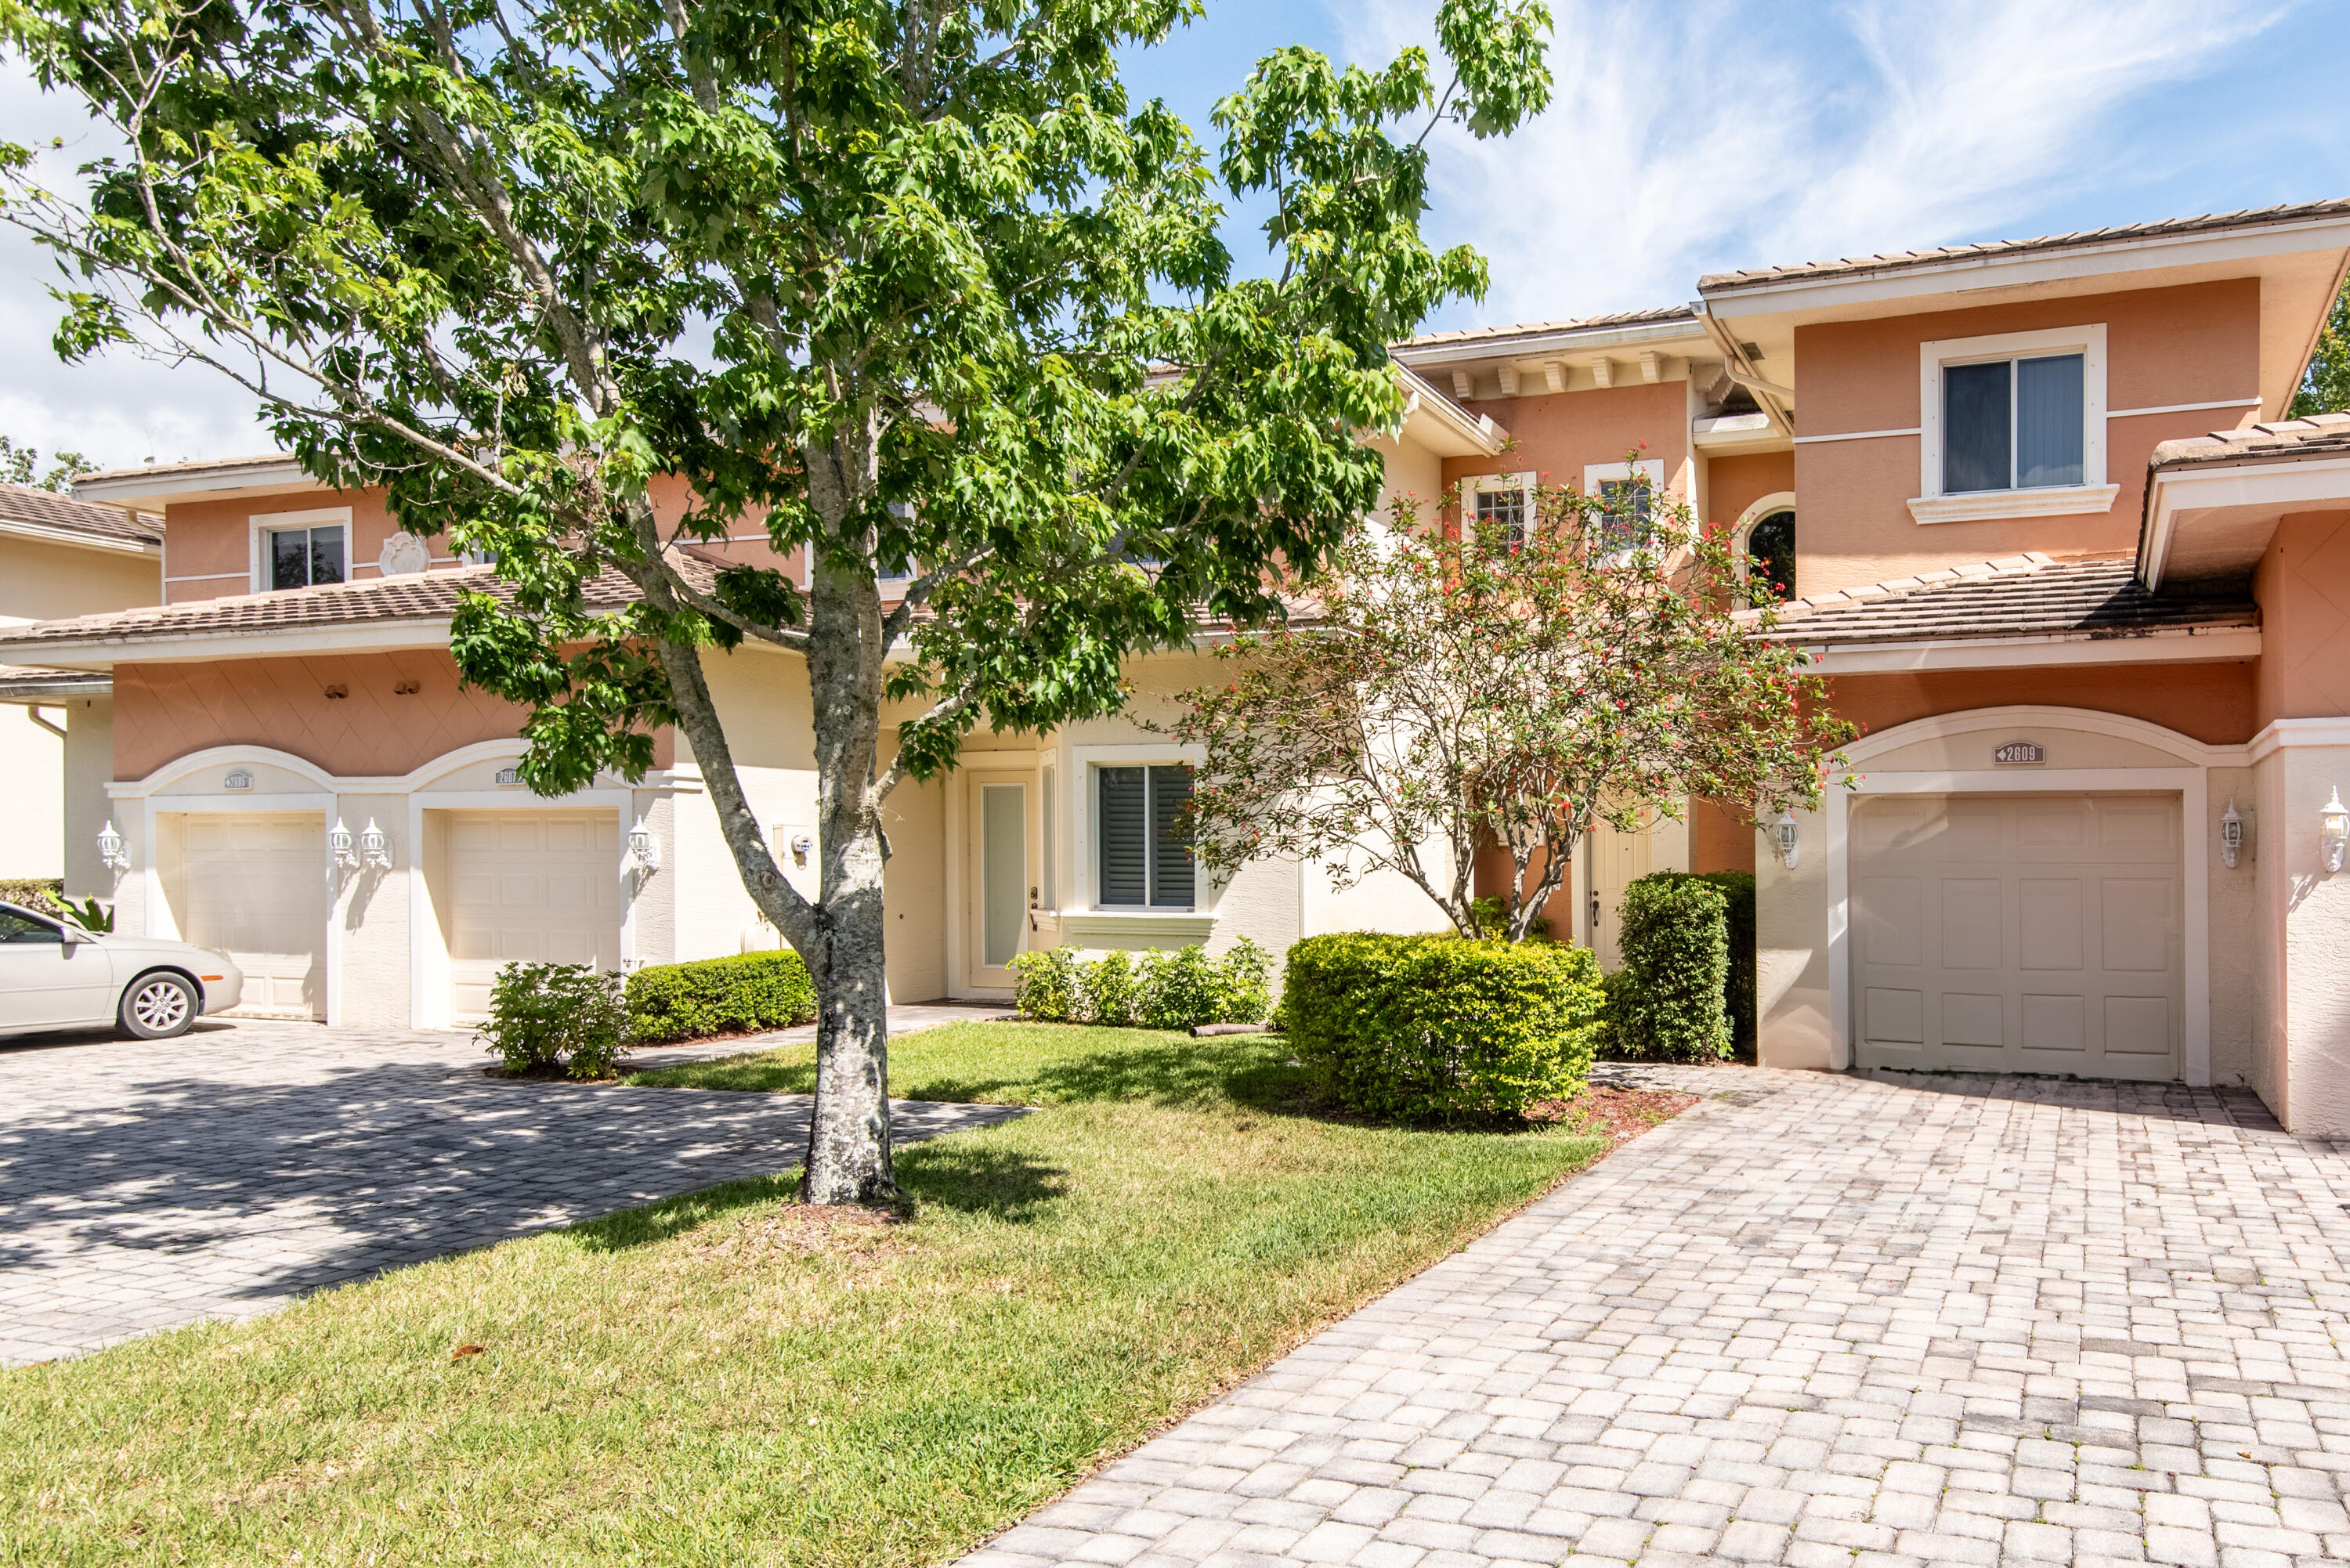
(726, 1378)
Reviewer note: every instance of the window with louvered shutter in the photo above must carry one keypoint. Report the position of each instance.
(1170, 857)
(1122, 819)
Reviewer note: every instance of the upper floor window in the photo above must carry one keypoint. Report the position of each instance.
(301, 549)
(1138, 847)
(2012, 425)
(1627, 494)
(1499, 507)
(1768, 563)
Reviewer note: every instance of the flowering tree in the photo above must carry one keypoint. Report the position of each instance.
(1503, 684)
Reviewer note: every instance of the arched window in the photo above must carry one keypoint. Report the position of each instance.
(1771, 552)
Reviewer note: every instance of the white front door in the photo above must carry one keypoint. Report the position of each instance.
(2035, 933)
(257, 885)
(1615, 860)
(532, 886)
(997, 930)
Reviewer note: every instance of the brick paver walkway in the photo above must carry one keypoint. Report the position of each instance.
(144, 1184)
(1822, 1321)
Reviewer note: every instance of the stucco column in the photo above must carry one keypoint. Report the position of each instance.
(367, 988)
(2301, 998)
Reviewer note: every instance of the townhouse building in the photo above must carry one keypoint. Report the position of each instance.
(2044, 522)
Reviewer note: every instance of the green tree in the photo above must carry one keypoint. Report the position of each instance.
(19, 464)
(2326, 385)
(914, 283)
(1503, 684)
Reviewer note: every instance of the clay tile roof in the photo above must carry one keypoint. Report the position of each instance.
(420, 596)
(2286, 441)
(47, 509)
(2249, 218)
(2018, 595)
(197, 465)
(1535, 329)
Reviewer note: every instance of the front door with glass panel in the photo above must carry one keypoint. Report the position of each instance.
(999, 842)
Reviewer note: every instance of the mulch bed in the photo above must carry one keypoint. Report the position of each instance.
(1620, 1114)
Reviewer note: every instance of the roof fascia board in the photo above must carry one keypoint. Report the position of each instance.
(1972, 274)
(164, 486)
(1556, 340)
(2170, 647)
(42, 694)
(48, 535)
(2282, 480)
(105, 652)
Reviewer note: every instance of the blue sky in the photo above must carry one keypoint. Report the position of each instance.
(1686, 136)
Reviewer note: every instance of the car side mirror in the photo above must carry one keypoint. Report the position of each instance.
(74, 935)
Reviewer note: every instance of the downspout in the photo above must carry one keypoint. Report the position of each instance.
(33, 711)
(1768, 395)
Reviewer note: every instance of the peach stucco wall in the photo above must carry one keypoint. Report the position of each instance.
(2303, 585)
(1558, 434)
(167, 711)
(2213, 703)
(1734, 483)
(1720, 837)
(208, 545)
(2198, 343)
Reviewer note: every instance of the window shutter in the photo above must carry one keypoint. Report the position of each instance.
(1170, 857)
(1121, 830)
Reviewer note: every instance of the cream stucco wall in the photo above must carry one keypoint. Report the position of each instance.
(32, 805)
(2301, 1048)
(89, 763)
(367, 973)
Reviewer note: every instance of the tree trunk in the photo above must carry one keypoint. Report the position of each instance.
(848, 1139)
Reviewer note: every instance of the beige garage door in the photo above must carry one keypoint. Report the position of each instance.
(2019, 933)
(537, 886)
(254, 886)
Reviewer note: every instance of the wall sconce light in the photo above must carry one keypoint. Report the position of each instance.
(339, 845)
(801, 846)
(2231, 836)
(1790, 837)
(644, 850)
(2333, 830)
(375, 849)
(112, 851)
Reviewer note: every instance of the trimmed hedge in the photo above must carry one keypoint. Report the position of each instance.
(1438, 1028)
(719, 996)
(1156, 988)
(1670, 1002)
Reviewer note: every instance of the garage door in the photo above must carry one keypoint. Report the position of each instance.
(254, 886)
(537, 886)
(2019, 933)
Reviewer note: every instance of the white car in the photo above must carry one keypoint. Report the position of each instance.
(55, 975)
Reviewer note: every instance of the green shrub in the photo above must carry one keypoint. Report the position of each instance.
(1437, 1028)
(1158, 989)
(547, 1015)
(1492, 914)
(1668, 1002)
(719, 996)
(1046, 985)
(1738, 889)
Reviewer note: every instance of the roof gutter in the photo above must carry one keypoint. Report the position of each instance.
(1775, 400)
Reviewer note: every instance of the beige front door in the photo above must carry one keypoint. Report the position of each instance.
(2034, 933)
(1615, 861)
(256, 886)
(998, 875)
(532, 886)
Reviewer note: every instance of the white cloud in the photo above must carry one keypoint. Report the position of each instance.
(1693, 138)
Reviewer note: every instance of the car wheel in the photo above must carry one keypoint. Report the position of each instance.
(159, 1006)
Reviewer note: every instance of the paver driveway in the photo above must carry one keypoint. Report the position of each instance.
(1827, 1321)
(149, 1184)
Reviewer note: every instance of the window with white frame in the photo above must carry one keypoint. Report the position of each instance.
(1627, 494)
(301, 549)
(1139, 857)
(2013, 424)
(1501, 507)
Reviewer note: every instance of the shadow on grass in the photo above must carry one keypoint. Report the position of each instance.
(1007, 1184)
(675, 1216)
(1253, 1073)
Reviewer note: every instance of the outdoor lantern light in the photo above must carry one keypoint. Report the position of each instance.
(2231, 836)
(2333, 830)
(1791, 844)
(375, 849)
(111, 851)
(643, 847)
(339, 845)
